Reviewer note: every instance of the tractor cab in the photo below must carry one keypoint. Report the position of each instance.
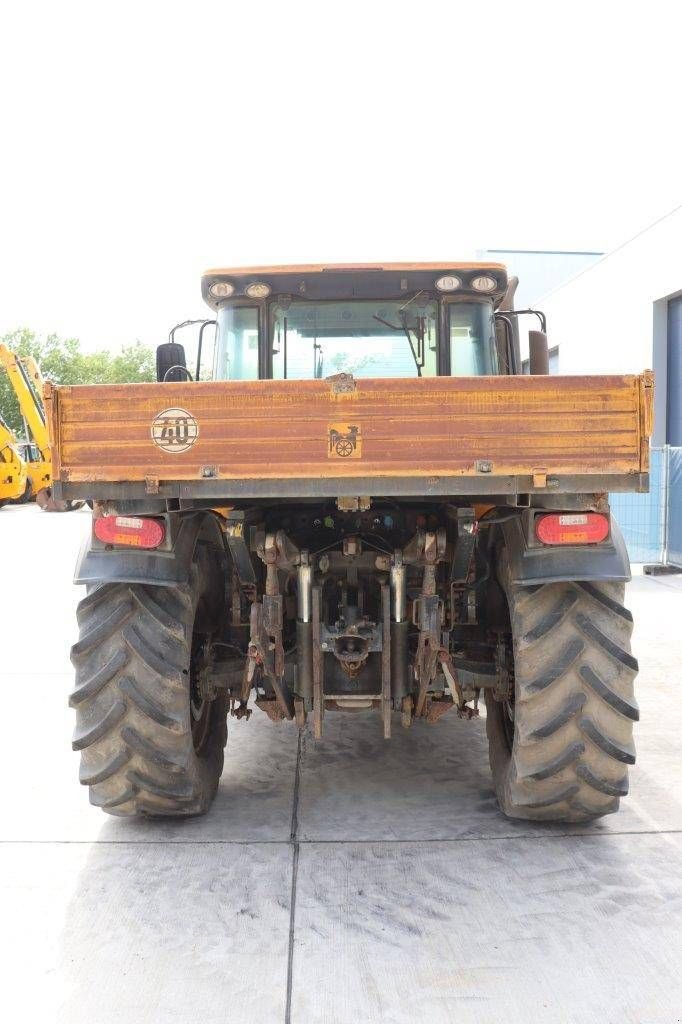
(394, 321)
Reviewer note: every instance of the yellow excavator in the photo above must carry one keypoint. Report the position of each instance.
(13, 479)
(35, 468)
(27, 382)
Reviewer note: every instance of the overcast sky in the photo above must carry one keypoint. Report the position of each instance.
(145, 142)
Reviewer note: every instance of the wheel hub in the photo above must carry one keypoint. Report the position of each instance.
(199, 698)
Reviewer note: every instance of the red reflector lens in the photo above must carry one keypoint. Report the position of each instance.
(572, 528)
(130, 530)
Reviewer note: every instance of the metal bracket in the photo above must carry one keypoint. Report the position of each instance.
(239, 549)
(450, 673)
(361, 504)
(342, 383)
(427, 549)
(266, 652)
(467, 531)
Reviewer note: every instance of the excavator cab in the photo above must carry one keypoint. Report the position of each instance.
(29, 451)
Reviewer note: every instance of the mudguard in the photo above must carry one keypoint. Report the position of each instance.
(167, 567)
(534, 563)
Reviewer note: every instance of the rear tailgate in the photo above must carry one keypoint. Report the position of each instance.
(429, 435)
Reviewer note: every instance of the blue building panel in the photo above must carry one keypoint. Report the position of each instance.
(642, 517)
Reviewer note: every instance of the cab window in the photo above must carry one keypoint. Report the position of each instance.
(381, 338)
(473, 352)
(236, 350)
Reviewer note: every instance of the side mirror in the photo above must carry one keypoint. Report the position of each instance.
(171, 363)
(538, 352)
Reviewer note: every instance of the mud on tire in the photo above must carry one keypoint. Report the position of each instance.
(560, 750)
(148, 745)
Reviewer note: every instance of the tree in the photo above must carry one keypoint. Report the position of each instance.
(61, 361)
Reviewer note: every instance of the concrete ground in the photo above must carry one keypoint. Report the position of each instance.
(345, 882)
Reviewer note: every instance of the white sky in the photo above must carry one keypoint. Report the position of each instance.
(145, 142)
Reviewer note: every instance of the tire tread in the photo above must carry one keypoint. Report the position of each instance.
(133, 723)
(575, 703)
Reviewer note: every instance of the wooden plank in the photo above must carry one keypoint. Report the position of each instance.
(445, 426)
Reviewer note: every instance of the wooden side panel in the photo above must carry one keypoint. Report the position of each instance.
(301, 429)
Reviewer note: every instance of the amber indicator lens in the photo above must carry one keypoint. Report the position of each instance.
(130, 531)
(572, 528)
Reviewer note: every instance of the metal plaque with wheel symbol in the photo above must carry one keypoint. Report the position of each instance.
(345, 441)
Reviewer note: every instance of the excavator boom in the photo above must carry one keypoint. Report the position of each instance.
(27, 383)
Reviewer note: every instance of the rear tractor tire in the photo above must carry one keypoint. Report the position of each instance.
(150, 746)
(561, 745)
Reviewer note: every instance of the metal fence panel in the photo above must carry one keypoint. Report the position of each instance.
(674, 522)
(642, 517)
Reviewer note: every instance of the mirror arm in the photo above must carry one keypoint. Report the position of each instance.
(521, 312)
(185, 323)
(204, 325)
(178, 366)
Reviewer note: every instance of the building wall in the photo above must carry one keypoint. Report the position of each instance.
(538, 270)
(612, 317)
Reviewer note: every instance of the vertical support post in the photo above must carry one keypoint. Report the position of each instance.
(318, 668)
(273, 624)
(666, 496)
(399, 626)
(386, 660)
(398, 587)
(304, 632)
(428, 621)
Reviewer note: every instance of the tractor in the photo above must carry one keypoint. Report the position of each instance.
(356, 501)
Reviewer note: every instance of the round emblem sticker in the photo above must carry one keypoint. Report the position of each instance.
(174, 430)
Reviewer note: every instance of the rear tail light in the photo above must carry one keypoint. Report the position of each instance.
(131, 531)
(572, 528)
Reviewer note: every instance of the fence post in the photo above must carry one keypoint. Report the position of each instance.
(665, 492)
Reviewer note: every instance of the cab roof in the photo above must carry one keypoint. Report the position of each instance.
(353, 280)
